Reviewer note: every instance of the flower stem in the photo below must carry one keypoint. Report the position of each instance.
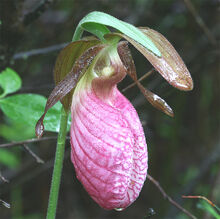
(58, 165)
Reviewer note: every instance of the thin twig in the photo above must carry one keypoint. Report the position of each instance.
(35, 156)
(200, 22)
(140, 79)
(34, 52)
(7, 205)
(157, 184)
(12, 144)
(3, 178)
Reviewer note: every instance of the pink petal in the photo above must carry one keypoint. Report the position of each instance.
(109, 150)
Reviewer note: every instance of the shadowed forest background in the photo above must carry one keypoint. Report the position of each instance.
(184, 151)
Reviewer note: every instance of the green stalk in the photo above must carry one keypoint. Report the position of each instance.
(58, 165)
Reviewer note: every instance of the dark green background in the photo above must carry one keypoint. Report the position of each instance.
(184, 151)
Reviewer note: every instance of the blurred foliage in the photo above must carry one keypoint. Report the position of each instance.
(9, 159)
(23, 110)
(180, 149)
(208, 208)
(10, 82)
(27, 109)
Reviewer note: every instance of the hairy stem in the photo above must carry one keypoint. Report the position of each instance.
(58, 165)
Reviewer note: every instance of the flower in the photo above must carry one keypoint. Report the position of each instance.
(108, 146)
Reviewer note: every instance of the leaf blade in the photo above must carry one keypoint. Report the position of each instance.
(27, 108)
(125, 28)
(10, 82)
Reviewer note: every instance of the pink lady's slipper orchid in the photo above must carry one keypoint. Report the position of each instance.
(108, 146)
(109, 150)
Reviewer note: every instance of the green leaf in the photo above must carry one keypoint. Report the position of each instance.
(9, 82)
(27, 109)
(98, 30)
(101, 19)
(8, 158)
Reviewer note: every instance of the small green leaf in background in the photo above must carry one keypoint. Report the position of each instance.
(95, 22)
(28, 108)
(16, 131)
(208, 208)
(9, 82)
(9, 158)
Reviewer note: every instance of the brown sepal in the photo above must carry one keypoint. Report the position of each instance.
(68, 83)
(169, 65)
(67, 58)
(155, 100)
